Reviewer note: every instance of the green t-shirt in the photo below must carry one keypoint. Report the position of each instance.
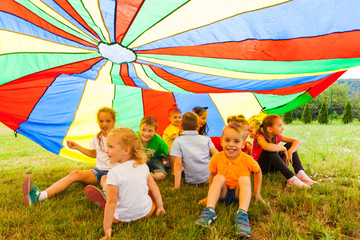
(156, 147)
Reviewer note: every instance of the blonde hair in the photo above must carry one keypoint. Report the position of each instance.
(254, 123)
(113, 116)
(268, 121)
(237, 127)
(127, 137)
(240, 119)
(149, 120)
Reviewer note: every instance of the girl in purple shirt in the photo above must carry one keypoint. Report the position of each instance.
(273, 157)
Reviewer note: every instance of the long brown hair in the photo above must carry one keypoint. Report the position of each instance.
(268, 121)
(99, 135)
(127, 137)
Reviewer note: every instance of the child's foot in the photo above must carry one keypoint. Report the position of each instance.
(305, 178)
(294, 181)
(207, 217)
(96, 196)
(30, 191)
(242, 226)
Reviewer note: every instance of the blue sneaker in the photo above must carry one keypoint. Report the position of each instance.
(242, 225)
(96, 196)
(30, 191)
(207, 217)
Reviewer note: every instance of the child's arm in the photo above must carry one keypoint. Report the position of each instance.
(257, 186)
(270, 147)
(213, 151)
(156, 195)
(86, 151)
(112, 195)
(295, 144)
(174, 136)
(177, 172)
(211, 177)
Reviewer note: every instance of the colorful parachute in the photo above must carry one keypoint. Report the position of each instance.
(62, 60)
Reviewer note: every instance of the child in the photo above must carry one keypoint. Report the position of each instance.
(266, 152)
(154, 147)
(192, 151)
(254, 125)
(202, 113)
(132, 192)
(172, 131)
(241, 120)
(106, 121)
(230, 179)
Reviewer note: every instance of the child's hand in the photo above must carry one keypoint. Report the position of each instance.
(159, 211)
(72, 145)
(107, 236)
(175, 188)
(203, 201)
(258, 197)
(286, 157)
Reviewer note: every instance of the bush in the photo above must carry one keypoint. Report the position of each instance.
(288, 117)
(347, 114)
(323, 117)
(306, 115)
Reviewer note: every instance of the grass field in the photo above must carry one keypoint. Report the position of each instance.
(331, 210)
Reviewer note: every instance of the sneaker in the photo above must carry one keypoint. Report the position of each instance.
(207, 217)
(96, 196)
(305, 178)
(294, 181)
(30, 191)
(242, 226)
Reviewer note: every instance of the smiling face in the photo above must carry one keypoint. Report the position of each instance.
(116, 151)
(175, 118)
(252, 132)
(146, 133)
(232, 142)
(106, 122)
(276, 129)
(202, 118)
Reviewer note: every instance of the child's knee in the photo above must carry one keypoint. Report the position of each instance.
(219, 179)
(243, 181)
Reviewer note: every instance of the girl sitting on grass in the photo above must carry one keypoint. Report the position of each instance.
(131, 191)
(272, 156)
(106, 121)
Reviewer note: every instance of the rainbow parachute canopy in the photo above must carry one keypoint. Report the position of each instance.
(62, 60)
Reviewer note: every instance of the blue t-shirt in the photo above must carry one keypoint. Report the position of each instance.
(194, 149)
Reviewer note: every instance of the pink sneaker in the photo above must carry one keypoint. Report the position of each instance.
(96, 196)
(294, 181)
(305, 178)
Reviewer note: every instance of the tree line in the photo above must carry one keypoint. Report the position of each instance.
(340, 100)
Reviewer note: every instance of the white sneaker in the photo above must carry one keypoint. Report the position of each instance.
(305, 178)
(294, 181)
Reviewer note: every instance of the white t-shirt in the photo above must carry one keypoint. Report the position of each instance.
(133, 201)
(102, 159)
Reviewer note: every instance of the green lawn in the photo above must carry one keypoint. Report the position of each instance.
(331, 210)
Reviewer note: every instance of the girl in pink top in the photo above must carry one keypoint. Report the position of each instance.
(272, 156)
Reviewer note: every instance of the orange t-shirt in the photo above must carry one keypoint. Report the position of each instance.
(232, 170)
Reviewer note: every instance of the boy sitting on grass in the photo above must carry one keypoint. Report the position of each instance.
(154, 147)
(230, 179)
(192, 152)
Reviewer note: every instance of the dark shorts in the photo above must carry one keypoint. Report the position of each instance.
(99, 173)
(230, 197)
(156, 165)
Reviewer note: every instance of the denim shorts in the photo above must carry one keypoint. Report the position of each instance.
(99, 173)
(156, 165)
(230, 197)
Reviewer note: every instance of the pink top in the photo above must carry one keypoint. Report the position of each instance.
(256, 151)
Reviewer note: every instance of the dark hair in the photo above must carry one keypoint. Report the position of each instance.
(189, 121)
(149, 120)
(199, 111)
(268, 121)
(174, 109)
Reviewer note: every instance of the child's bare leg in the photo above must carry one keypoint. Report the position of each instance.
(244, 192)
(83, 176)
(158, 175)
(216, 189)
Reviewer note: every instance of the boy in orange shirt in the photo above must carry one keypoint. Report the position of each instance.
(230, 179)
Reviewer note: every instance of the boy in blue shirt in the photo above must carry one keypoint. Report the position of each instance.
(192, 152)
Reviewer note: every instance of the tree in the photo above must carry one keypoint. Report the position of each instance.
(288, 117)
(347, 114)
(306, 115)
(323, 117)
